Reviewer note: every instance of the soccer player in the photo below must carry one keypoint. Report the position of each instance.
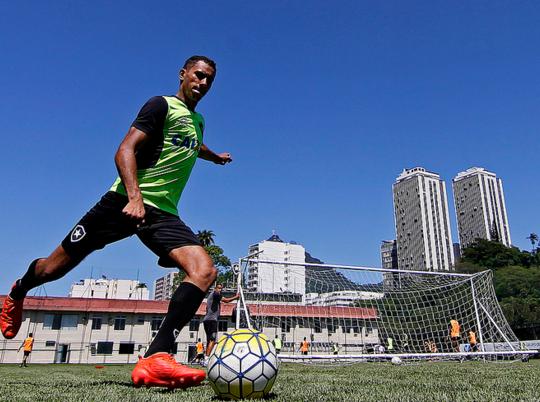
(213, 310)
(472, 341)
(154, 162)
(304, 346)
(277, 344)
(455, 330)
(27, 346)
(199, 358)
(390, 344)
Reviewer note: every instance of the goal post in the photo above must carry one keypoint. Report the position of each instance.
(347, 312)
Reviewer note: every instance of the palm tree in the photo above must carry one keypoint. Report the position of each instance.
(206, 237)
(533, 237)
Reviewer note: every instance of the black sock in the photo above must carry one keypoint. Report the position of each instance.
(183, 305)
(27, 282)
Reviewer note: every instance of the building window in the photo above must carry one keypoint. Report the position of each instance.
(67, 322)
(104, 348)
(50, 344)
(155, 323)
(96, 322)
(126, 348)
(140, 319)
(52, 321)
(194, 325)
(222, 326)
(120, 323)
(285, 325)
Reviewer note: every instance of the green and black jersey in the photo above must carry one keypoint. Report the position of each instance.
(164, 163)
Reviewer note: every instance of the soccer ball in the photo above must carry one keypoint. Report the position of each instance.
(243, 364)
(396, 360)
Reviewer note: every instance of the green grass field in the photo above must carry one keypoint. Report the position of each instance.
(469, 381)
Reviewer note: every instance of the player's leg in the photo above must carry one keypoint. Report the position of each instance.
(158, 367)
(40, 271)
(103, 224)
(43, 270)
(200, 274)
(210, 328)
(177, 246)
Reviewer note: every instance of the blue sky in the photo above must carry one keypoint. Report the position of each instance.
(322, 105)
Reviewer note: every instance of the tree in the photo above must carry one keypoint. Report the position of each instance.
(206, 237)
(493, 255)
(533, 238)
(516, 277)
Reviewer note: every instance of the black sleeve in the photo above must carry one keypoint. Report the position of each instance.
(151, 117)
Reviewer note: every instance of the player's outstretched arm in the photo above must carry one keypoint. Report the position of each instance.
(209, 155)
(126, 165)
(230, 299)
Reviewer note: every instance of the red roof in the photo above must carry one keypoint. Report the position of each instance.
(77, 304)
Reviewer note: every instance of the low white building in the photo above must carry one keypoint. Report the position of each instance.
(277, 278)
(110, 289)
(340, 298)
(97, 331)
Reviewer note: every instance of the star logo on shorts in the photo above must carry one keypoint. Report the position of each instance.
(78, 233)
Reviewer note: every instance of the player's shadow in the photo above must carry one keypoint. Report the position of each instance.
(129, 384)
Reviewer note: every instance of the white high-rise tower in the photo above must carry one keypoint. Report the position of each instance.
(269, 278)
(480, 207)
(424, 240)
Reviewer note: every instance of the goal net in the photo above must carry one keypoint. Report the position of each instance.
(337, 312)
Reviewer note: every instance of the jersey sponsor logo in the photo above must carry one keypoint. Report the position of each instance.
(78, 233)
(185, 142)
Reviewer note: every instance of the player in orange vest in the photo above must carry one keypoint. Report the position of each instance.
(472, 341)
(455, 330)
(199, 358)
(304, 346)
(27, 346)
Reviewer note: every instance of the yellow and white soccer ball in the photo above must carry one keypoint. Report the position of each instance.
(243, 364)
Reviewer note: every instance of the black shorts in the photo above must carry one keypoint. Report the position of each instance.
(105, 223)
(210, 327)
(27, 352)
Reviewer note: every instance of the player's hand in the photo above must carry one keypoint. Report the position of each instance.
(223, 158)
(135, 211)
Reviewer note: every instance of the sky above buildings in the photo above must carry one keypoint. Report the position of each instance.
(322, 105)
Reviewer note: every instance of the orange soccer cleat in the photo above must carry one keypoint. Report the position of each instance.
(11, 316)
(161, 370)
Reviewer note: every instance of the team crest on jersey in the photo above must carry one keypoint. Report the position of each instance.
(78, 233)
(182, 122)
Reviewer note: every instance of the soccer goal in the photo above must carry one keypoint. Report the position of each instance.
(322, 312)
